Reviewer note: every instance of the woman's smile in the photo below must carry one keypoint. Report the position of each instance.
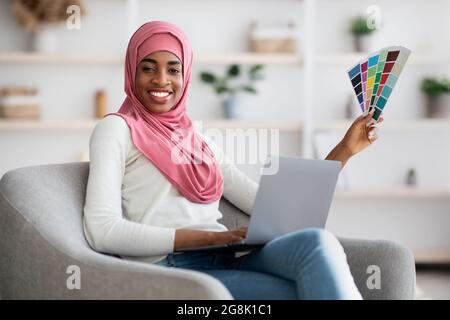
(159, 96)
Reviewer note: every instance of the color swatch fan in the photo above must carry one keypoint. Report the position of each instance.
(374, 78)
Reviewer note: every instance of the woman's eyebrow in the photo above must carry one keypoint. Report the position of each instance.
(156, 62)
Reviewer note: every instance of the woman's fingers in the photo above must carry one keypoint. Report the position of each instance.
(362, 119)
(366, 118)
(373, 133)
(241, 232)
(373, 138)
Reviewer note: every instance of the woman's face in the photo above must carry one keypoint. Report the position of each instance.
(159, 81)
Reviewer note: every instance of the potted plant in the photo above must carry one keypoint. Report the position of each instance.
(41, 18)
(362, 34)
(438, 96)
(228, 87)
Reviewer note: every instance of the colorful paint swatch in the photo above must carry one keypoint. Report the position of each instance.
(356, 79)
(374, 78)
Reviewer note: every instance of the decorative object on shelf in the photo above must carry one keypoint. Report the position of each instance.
(411, 177)
(227, 86)
(101, 104)
(41, 18)
(438, 97)
(362, 34)
(273, 38)
(19, 103)
(374, 78)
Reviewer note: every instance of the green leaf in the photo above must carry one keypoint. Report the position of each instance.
(221, 89)
(256, 68)
(434, 87)
(208, 77)
(359, 26)
(255, 72)
(255, 77)
(233, 71)
(249, 89)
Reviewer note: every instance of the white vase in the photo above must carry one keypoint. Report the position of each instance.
(45, 39)
(363, 43)
(232, 106)
(439, 106)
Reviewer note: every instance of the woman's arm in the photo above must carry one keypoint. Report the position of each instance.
(357, 138)
(105, 227)
(339, 153)
(195, 238)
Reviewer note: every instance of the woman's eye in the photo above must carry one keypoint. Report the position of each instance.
(174, 71)
(147, 69)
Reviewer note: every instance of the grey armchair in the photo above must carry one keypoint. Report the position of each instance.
(41, 236)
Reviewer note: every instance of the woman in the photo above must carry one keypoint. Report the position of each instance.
(155, 184)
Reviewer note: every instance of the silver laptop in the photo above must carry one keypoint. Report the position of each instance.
(296, 197)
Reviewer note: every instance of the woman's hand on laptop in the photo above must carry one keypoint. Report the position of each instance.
(230, 236)
(357, 138)
(185, 238)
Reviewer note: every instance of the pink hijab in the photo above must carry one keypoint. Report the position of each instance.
(168, 139)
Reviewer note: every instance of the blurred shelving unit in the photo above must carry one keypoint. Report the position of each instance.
(45, 125)
(308, 61)
(25, 58)
(282, 125)
(352, 58)
(88, 125)
(426, 124)
(18, 58)
(401, 192)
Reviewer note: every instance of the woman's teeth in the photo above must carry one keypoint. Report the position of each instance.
(159, 94)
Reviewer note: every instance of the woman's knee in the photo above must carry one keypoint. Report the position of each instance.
(315, 237)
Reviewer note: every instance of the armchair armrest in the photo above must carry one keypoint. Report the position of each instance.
(392, 263)
(35, 266)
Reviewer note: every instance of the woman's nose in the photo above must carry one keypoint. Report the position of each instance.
(160, 79)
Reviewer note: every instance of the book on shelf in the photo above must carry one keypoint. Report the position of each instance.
(19, 103)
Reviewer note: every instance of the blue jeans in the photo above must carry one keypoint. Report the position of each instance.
(307, 264)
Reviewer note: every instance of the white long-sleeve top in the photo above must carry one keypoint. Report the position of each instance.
(133, 210)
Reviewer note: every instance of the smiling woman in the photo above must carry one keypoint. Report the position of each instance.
(159, 81)
(145, 204)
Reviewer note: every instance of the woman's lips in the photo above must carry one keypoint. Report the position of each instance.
(159, 99)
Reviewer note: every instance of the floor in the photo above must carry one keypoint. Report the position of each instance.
(433, 284)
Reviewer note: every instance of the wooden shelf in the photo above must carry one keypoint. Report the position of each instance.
(43, 125)
(43, 58)
(222, 58)
(393, 192)
(425, 123)
(431, 255)
(18, 125)
(283, 125)
(18, 58)
(352, 58)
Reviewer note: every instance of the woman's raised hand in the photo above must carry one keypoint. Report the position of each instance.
(359, 136)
